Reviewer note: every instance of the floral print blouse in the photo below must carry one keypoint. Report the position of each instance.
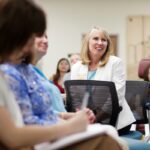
(34, 100)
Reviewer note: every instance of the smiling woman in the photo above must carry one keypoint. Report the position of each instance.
(97, 63)
(40, 46)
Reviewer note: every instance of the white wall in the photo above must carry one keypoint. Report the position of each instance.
(69, 19)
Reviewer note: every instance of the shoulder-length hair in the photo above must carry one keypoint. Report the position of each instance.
(85, 47)
(19, 20)
(57, 74)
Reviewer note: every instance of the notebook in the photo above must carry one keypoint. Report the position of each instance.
(91, 131)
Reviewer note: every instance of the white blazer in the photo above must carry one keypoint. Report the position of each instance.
(112, 71)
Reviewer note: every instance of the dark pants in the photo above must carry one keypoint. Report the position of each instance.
(124, 130)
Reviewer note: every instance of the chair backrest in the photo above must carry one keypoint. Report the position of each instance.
(137, 97)
(143, 64)
(103, 99)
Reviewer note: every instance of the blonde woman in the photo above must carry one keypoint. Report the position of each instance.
(97, 63)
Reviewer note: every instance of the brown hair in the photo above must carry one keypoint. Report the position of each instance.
(56, 76)
(20, 19)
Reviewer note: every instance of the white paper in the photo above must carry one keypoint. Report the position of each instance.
(92, 130)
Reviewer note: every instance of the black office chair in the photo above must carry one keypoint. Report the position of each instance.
(138, 98)
(103, 99)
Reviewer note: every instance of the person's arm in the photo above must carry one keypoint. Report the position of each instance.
(119, 79)
(74, 72)
(67, 115)
(16, 137)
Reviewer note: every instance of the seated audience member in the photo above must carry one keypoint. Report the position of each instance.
(30, 21)
(13, 135)
(74, 57)
(97, 63)
(63, 67)
(41, 47)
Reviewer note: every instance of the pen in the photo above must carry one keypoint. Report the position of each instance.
(85, 100)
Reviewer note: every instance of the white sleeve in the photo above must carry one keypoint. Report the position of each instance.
(75, 70)
(119, 79)
(73, 73)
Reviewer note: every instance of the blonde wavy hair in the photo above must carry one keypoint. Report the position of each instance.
(85, 47)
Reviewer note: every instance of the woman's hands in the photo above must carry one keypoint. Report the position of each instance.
(80, 120)
(90, 115)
